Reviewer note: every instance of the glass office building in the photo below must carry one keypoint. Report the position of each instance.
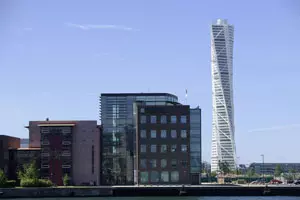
(195, 145)
(118, 133)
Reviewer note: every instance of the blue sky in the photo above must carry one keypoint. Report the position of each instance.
(56, 57)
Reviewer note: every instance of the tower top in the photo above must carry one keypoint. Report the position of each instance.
(222, 22)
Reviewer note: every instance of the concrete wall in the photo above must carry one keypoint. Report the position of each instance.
(34, 134)
(86, 135)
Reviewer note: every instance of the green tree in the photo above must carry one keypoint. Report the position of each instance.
(250, 172)
(213, 174)
(224, 167)
(278, 170)
(29, 171)
(3, 178)
(66, 180)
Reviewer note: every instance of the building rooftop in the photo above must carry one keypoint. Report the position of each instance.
(138, 94)
(28, 149)
(9, 136)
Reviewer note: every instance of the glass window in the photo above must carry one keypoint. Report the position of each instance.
(144, 177)
(163, 133)
(183, 133)
(153, 133)
(153, 148)
(153, 163)
(184, 163)
(183, 119)
(173, 119)
(173, 133)
(142, 110)
(174, 163)
(183, 148)
(163, 163)
(143, 134)
(143, 148)
(163, 148)
(143, 163)
(153, 119)
(173, 148)
(143, 119)
(154, 176)
(163, 119)
(164, 176)
(174, 176)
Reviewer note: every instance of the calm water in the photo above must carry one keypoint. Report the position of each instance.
(174, 198)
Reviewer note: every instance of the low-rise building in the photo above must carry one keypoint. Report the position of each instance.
(269, 168)
(6, 143)
(20, 157)
(67, 148)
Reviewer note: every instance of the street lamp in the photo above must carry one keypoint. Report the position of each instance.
(263, 166)
(237, 165)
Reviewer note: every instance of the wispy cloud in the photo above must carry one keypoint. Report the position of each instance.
(274, 128)
(27, 29)
(99, 26)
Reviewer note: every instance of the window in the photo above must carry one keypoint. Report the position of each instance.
(174, 163)
(173, 119)
(184, 163)
(183, 133)
(93, 159)
(173, 133)
(153, 148)
(143, 119)
(163, 163)
(143, 134)
(183, 119)
(163, 133)
(164, 176)
(183, 148)
(173, 148)
(154, 176)
(153, 119)
(153, 163)
(143, 163)
(174, 176)
(153, 133)
(143, 148)
(142, 110)
(144, 177)
(163, 148)
(163, 119)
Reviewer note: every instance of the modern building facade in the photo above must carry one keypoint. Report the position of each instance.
(195, 145)
(223, 141)
(162, 144)
(118, 136)
(67, 147)
(269, 168)
(7, 143)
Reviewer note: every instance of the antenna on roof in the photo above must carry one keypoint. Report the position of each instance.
(186, 95)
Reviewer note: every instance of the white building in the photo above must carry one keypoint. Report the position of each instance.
(223, 143)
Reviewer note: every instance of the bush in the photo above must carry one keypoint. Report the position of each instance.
(35, 183)
(3, 178)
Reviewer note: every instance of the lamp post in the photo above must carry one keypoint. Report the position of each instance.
(237, 165)
(263, 166)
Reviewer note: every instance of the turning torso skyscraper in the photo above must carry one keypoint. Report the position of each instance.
(223, 142)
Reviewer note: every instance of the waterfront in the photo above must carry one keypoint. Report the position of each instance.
(172, 198)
